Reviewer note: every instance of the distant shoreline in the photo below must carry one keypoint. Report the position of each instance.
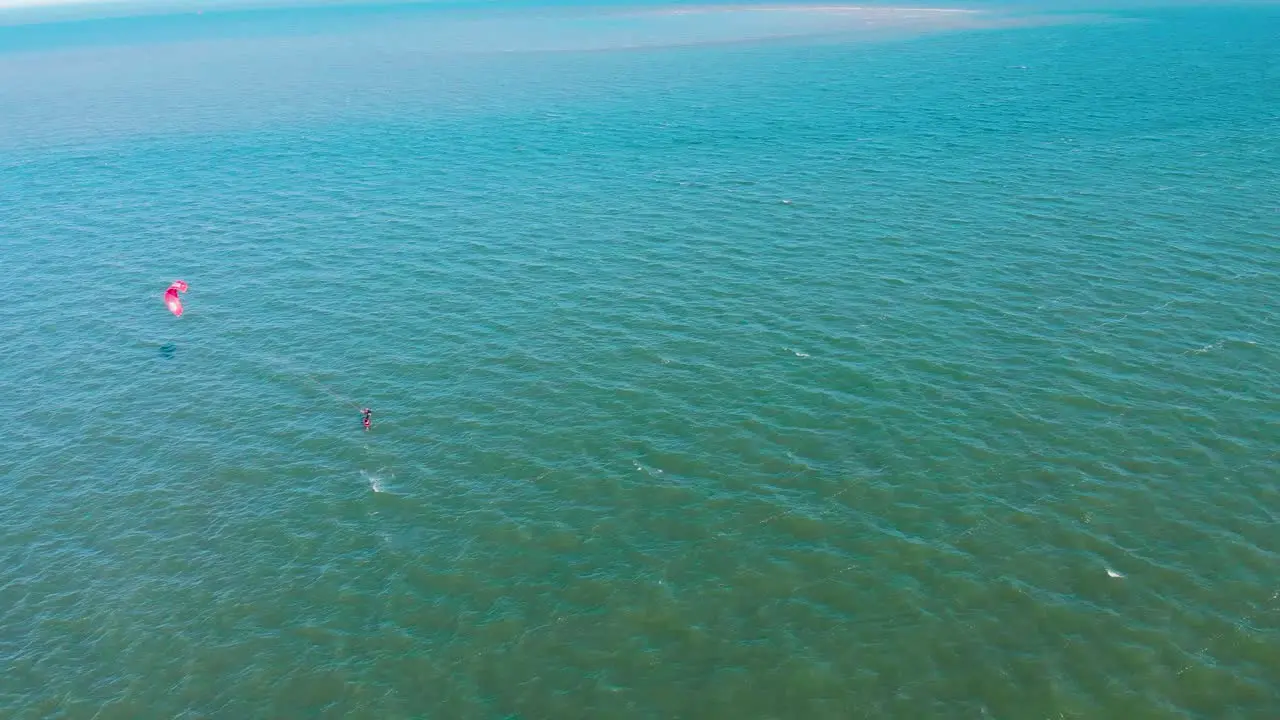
(22, 12)
(800, 7)
(507, 27)
(178, 5)
(30, 4)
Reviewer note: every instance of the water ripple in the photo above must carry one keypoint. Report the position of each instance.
(811, 379)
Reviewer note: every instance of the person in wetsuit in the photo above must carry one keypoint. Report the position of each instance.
(366, 418)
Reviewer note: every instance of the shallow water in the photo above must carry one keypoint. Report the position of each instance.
(824, 378)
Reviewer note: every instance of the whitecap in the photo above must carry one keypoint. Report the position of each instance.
(641, 467)
(375, 481)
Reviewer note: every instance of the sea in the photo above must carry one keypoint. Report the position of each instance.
(735, 362)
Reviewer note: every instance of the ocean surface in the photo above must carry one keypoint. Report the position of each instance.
(724, 365)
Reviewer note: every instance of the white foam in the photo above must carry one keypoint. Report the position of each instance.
(1206, 348)
(641, 467)
(375, 481)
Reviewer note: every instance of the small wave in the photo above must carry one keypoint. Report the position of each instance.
(1207, 348)
(376, 481)
(641, 467)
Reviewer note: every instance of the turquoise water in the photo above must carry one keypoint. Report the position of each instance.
(885, 374)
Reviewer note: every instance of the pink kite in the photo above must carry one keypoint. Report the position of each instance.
(171, 297)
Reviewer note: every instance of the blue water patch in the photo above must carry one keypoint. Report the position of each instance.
(926, 376)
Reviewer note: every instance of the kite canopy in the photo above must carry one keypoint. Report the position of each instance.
(171, 299)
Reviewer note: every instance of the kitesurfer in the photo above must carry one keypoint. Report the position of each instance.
(366, 418)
